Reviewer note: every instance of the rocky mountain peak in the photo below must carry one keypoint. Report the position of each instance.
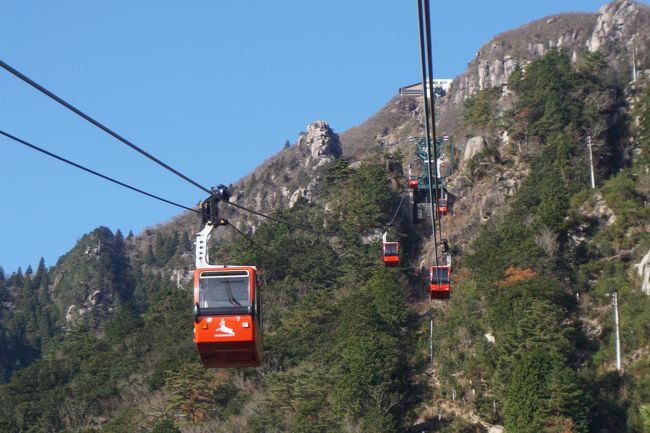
(618, 31)
(321, 144)
(616, 23)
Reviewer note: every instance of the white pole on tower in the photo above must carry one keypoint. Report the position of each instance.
(634, 65)
(618, 335)
(591, 162)
(431, 342)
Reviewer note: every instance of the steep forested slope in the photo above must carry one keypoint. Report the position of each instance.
(527, 340)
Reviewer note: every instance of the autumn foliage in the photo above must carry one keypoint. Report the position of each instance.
(516, 275)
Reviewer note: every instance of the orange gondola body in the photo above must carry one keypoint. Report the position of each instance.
(391, 254)
(227, 316)
(440, 282)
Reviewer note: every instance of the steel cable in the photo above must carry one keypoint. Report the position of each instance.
(93, 172)
(101, 126)
(425, 79)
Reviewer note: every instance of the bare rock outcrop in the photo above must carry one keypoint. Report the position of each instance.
(320, 143)
(473, 146)
(489, 203)
(293, 174)
(616, 24)
(618, 31)
(643, 270)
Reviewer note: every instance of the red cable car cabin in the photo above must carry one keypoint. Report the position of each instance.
(443, 207)
(413, 182)
(440, 282)
(227, 316)
(391, 254)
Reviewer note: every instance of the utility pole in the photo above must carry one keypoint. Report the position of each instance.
(431, 341)
(591, 162)
(451, 156)
(618, 335)
(634, 65)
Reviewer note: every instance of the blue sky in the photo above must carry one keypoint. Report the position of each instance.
(211, 87)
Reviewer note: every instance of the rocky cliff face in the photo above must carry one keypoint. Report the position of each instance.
(278, 183)
(293, 173)
(621, 24)
(87, 283)
(619, 31)
(495, 61)
(320, 145)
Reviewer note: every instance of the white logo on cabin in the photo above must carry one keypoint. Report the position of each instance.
(224, 330)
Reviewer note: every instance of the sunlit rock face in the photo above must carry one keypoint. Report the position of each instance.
(618, 31)
(321, 143)
(617, 22)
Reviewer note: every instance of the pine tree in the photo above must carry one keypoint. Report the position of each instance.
(480, 110)
(524, 404)
(41, 273)
(16, 278)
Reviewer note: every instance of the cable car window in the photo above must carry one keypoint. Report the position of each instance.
(390, 249)
(442, 276)
(218, 290)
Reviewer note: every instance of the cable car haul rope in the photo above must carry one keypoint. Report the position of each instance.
(439, 274)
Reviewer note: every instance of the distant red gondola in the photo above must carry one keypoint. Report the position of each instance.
(443, 207)
(440, 282)
(413, 182)
(391, 254)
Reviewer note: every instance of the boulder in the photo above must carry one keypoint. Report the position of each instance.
(489, 203)
(473, 146)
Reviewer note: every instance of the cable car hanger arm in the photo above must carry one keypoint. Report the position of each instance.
(211, 219)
